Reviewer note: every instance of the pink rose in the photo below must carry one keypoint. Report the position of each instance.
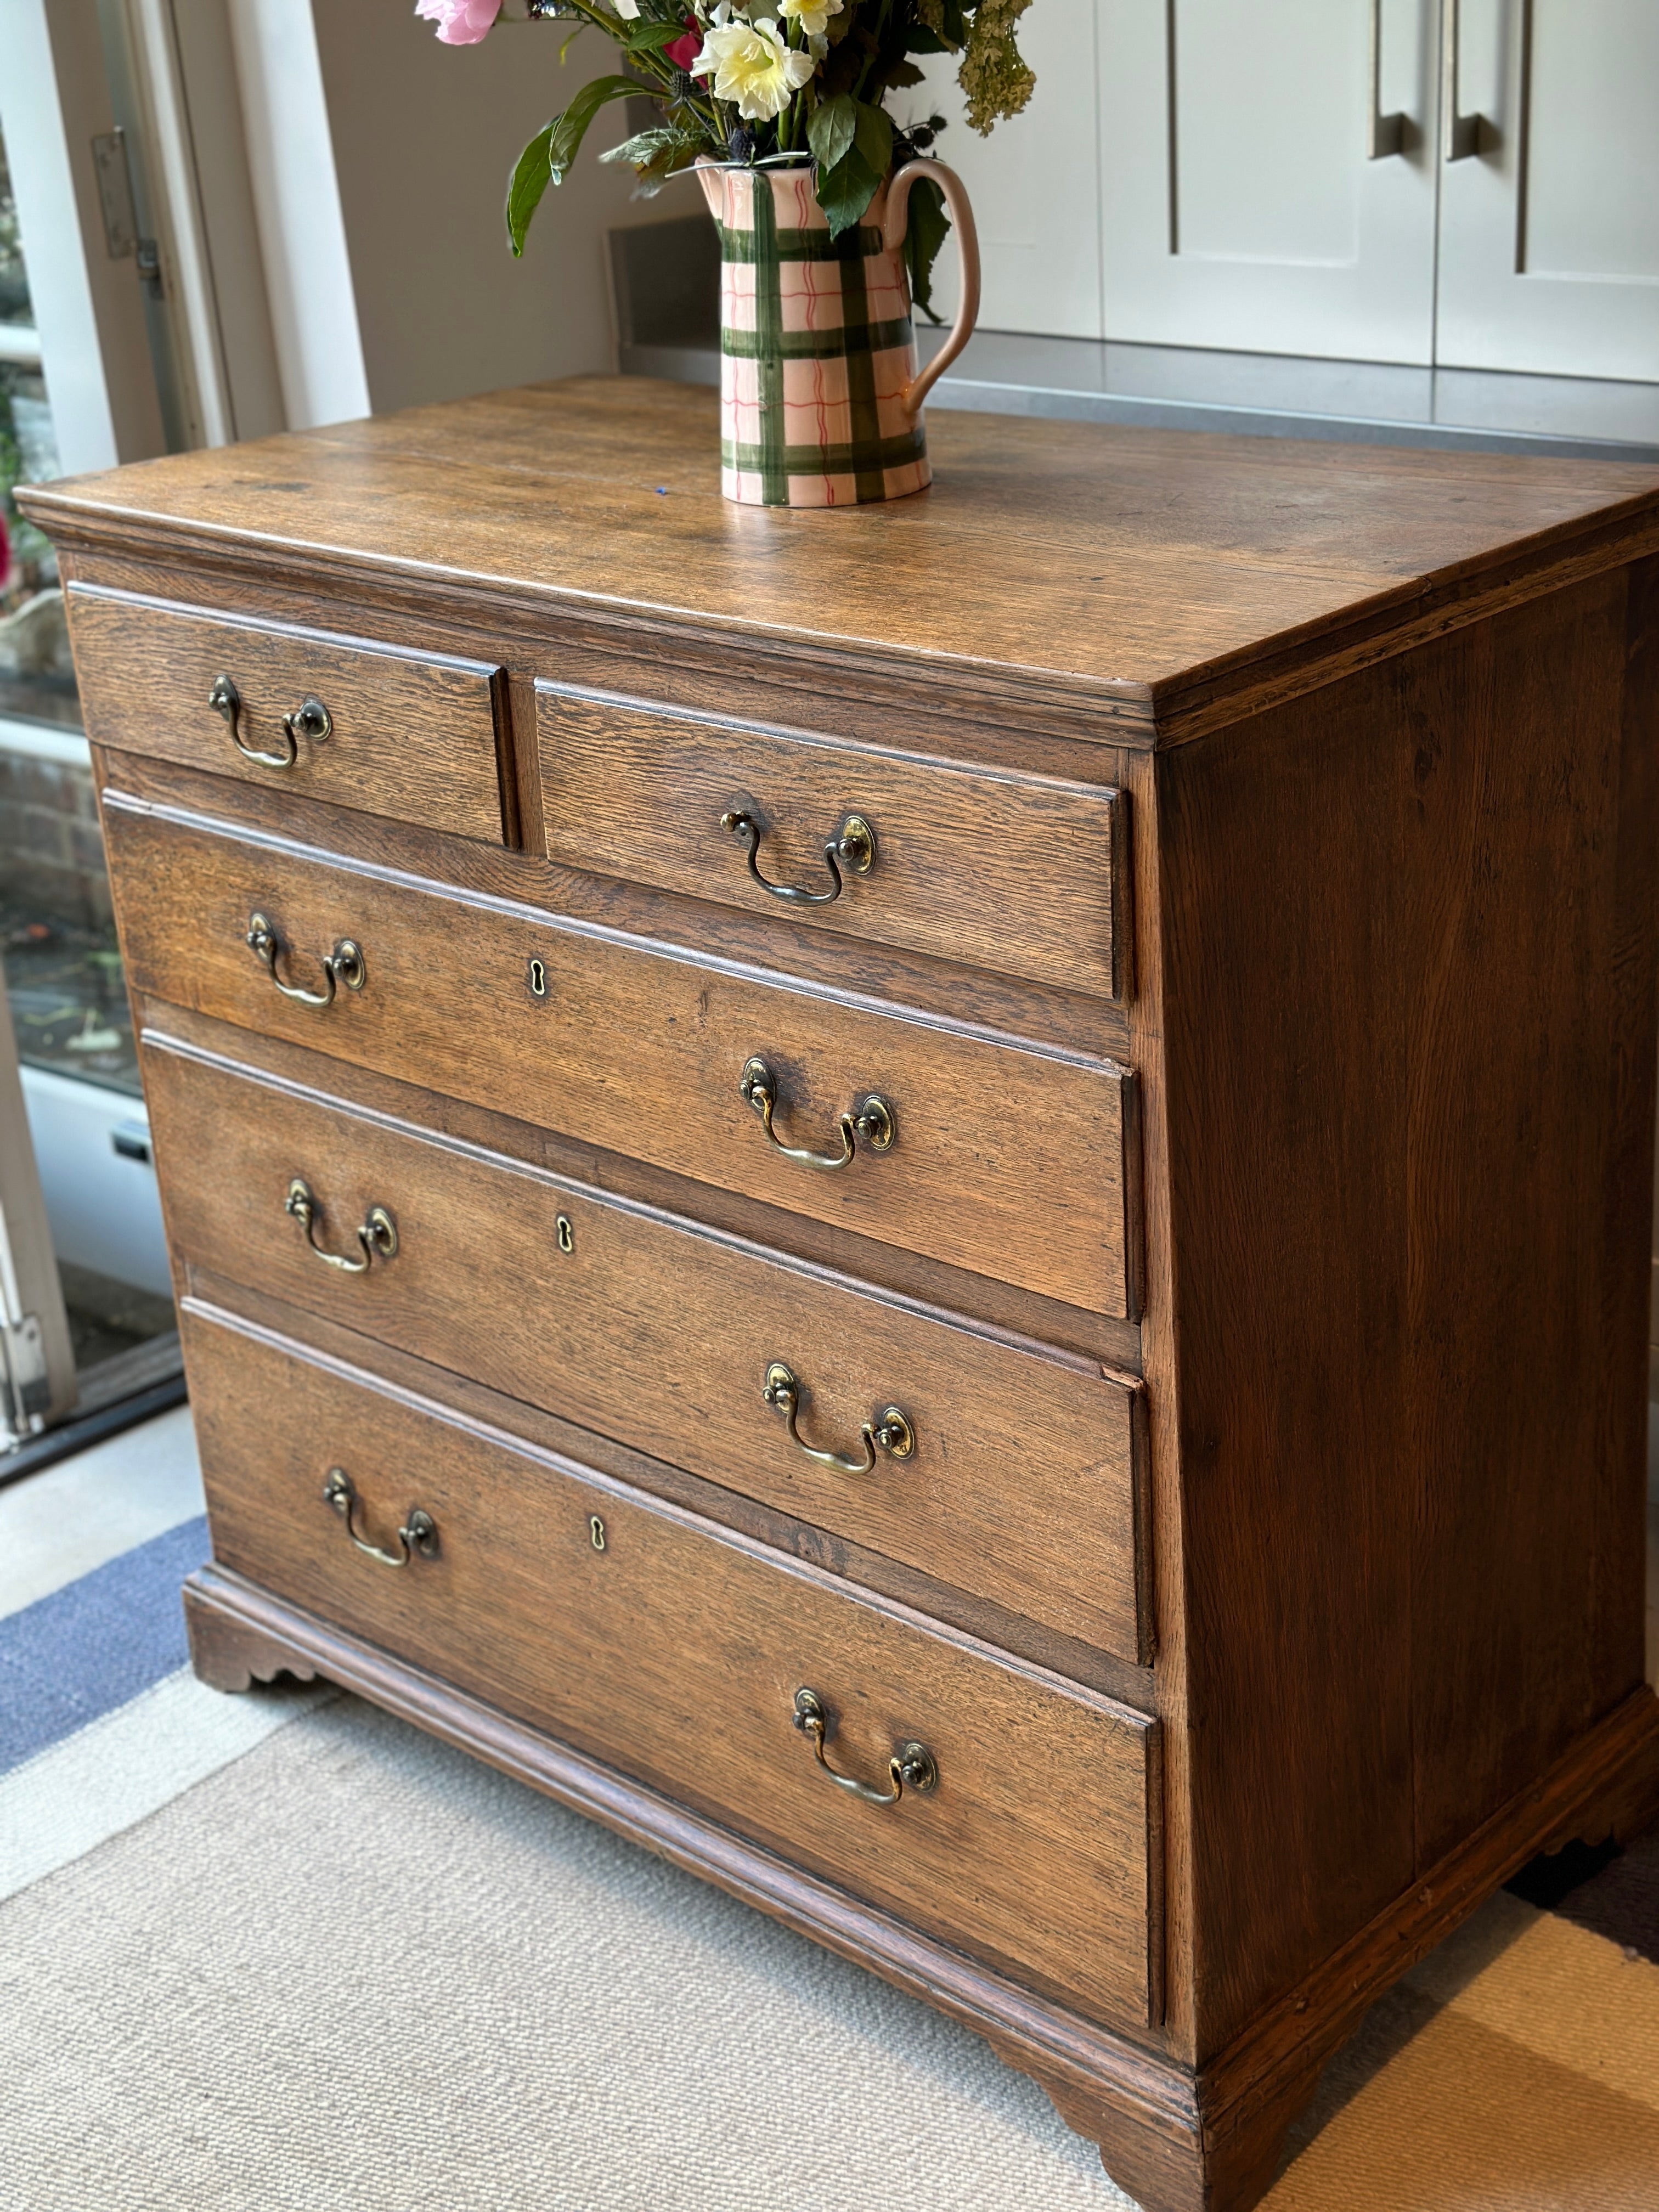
(684, 52)
(460, 22)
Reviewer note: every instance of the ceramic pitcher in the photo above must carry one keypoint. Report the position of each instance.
(820, 392)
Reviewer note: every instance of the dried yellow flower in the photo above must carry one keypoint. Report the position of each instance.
(993, 75)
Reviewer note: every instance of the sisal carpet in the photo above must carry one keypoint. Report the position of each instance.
(282, 1953)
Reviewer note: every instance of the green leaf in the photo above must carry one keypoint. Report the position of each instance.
(830, 128)
(655, 156)
(571, 127)
(846, 191)
(546, 159)
(648, 38)
(873, 138)
(927, 228)
(899, 75)
(530, 177)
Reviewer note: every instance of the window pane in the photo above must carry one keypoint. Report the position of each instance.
(62, 967)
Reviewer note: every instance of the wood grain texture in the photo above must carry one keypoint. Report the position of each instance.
(1355, 1179)
(1016, 873)
(1128, 564)
(417, 736)
(1410, 1089)
(241, 1633)
(404, 1373)
(1605, 1783)
(1179, 2142)
(679, 1648)
(1015, 1318)
(975, 998)
(1022, 1487)
(646, 1053)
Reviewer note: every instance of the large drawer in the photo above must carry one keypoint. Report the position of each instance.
(1022, 874)
(1009, 1160)
(675, 1651)
(1013, 1477)
(416, 737)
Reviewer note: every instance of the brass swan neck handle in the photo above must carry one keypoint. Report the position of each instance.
(852, 847)
(227, 701)
(310, 719)
(419, 1537)
(344, 964)
(378, 1232)
(871, 1122)
(912, 1766)
(890, 1431)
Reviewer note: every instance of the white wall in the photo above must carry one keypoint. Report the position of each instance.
(424, 138)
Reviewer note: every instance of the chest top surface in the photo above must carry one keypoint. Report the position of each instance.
(1162, 573)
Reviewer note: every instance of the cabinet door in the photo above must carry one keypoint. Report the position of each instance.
(1549, 253)
(1033, 182)
(1241, 209)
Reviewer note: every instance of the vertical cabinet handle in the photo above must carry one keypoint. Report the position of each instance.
(1385, 134)
(1460, 135)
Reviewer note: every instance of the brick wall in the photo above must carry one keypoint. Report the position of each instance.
(52, 855)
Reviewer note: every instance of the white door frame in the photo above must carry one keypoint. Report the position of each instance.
(37, 1361)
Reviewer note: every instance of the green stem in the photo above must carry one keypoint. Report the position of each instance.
(874, 54)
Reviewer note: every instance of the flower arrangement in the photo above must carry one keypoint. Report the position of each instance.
(766, 81)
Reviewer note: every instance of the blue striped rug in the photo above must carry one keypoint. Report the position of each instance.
(72, 1657)
(101, 1721)
(607, 2034)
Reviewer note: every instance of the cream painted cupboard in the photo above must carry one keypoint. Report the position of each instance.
(1470, 183)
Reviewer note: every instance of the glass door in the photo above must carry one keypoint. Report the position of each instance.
(77, 1195)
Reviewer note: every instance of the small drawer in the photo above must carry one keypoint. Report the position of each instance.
(677, 1652)
(1008, 1160)
(1005, 1473)
(416, 737)
(1025, 875)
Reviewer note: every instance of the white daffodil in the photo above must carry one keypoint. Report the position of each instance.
(812, 15)
(753, 68)
(628, 10)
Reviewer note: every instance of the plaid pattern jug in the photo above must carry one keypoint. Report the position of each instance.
(820, 395)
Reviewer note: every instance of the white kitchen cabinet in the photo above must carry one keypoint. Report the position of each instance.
(1240, 209)
(1291, 177)
(1035, 181)
(1549, 230)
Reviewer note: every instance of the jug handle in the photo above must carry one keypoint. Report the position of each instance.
(961, 222)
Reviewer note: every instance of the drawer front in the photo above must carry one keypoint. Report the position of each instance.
(675, 1651)
(416, 737)
(1017, 1481)
(1021, 874)
(1005, 1160)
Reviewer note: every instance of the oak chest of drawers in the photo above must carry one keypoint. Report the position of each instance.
(945, 1206)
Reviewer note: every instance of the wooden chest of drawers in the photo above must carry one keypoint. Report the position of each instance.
(945, 1206)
